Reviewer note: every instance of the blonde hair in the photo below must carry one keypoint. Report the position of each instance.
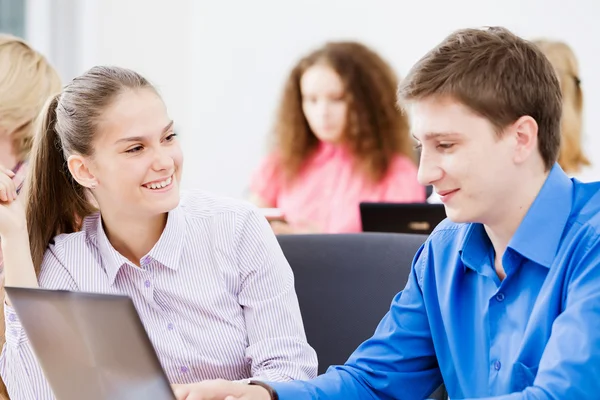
(27, 80)
(571, 157)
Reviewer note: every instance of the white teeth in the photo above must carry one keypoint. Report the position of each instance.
(160, 185)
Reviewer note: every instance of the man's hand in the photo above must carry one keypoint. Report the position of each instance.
(220, 390)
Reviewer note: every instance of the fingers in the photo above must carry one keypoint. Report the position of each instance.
(281, 228)
(219, 390)
(7, 171)
(8, 189)
(181, 392)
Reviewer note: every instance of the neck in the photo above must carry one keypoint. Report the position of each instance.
(504, 224)
(8, 158)
(133, 237)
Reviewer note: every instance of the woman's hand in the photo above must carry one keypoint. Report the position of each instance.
(283, 228)
(12, 212)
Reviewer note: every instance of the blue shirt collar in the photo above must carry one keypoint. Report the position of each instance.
(540, 232)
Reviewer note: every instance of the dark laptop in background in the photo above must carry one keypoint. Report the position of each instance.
(90, 346)
(419, 218)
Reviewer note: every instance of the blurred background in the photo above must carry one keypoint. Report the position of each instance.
(220, 65)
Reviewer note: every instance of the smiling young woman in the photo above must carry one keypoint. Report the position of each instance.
(206, 274)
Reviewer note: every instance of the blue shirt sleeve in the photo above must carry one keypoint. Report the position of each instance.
(570, 364)
(397, 362)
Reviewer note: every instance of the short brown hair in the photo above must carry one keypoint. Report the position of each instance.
(498, 75)
(377, 130)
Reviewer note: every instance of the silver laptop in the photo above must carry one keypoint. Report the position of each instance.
(90, 346)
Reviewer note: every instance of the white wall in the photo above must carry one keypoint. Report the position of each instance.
(220, 64)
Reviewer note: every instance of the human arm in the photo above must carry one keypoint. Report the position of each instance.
(277, 348)
(19, 367)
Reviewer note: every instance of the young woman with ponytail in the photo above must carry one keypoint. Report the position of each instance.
(206, 274)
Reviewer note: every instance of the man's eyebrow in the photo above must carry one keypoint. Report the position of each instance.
(437, 135)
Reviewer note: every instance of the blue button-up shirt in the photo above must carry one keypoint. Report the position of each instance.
(534, 335)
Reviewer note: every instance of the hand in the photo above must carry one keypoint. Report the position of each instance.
(283, 228)
(220, 390)
(8, 190)
(12, 213)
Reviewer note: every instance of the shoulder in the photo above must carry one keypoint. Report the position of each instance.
(585, 212)
(271, 162)
(403, 164)
(442, 246)
(231, 224)
(217, 212)
(449, 234)
(76, 243)
(67, 256)
(206, 205)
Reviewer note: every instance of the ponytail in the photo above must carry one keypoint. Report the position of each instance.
(55, 202)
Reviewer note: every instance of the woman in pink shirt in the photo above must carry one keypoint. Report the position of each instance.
(340, 141)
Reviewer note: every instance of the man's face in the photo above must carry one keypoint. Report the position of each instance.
(470, 166)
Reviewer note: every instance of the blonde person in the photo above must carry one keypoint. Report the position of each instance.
(206, 274)
(339, 140)
(572, 157)
(26, 81)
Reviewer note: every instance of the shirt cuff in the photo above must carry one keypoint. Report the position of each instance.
(289, 390)
(15, 334)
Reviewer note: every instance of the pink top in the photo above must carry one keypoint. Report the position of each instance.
(326, 194)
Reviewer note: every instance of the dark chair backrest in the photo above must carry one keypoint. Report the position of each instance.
(345, 284)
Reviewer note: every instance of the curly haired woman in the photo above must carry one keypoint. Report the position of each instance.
(339, 140)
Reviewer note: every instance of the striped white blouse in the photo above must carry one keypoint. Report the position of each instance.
(215, 294)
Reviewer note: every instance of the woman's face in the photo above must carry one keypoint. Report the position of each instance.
(324, 103)
(137, 159)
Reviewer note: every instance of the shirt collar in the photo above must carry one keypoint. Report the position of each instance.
(167, 251)
(538, 236)
(475, 248)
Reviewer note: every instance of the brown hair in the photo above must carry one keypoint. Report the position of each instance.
(571, 157)
(26, 82)
(56, 203)
(497, 75)
(377, 129)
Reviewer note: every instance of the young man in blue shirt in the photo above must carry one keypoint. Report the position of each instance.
(503, 301)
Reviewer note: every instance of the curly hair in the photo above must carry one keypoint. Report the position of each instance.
(571, 156)
(377, 129)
